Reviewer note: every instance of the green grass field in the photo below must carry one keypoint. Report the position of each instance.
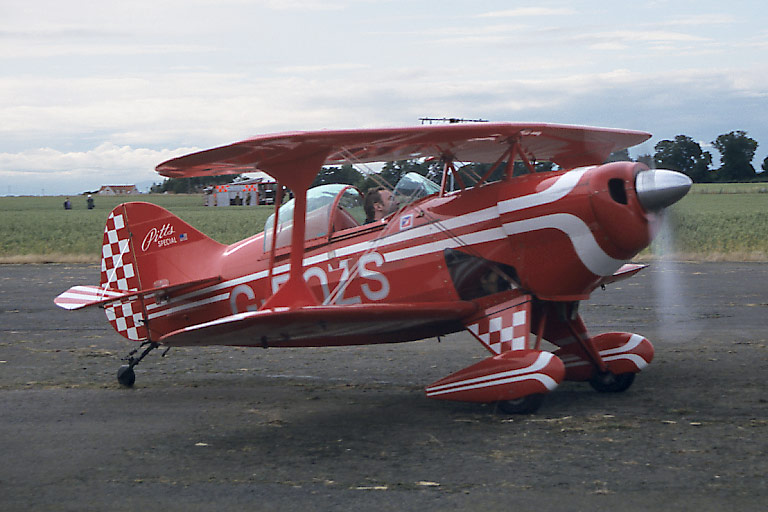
(730, 188)
(38, 229)
(713, 222)
(708, 225)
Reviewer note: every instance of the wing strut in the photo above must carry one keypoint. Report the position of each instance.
(448, 167)
(508, 154)
(295, 293)
(517, 149)
(273, 249)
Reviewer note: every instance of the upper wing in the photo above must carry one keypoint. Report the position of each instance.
(567, 146)
(327, 325)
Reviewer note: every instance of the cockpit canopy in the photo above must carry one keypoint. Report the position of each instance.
(411, 187)
(330, 208)
(336, 207)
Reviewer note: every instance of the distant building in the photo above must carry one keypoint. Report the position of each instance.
(117, 190)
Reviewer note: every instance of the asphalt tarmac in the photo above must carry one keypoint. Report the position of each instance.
(350, 428)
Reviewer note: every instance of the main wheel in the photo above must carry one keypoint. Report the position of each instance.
(126, 376)
(524, 405)
(612, 383)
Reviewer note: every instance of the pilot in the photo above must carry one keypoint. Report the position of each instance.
(378, 201)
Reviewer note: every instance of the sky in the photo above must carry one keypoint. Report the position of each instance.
(98, 92)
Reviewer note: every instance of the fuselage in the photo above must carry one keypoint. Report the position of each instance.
(554, 235)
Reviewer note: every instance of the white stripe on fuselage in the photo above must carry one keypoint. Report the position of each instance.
(559, 189)
(584, 243)
(487, 235)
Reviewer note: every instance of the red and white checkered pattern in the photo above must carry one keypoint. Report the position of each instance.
(127, 319)
(117, 269)
(118, 272)
(503, 330)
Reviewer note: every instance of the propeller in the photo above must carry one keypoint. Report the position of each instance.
(657, 189)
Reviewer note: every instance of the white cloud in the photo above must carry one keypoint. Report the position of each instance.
(219, 108)
(107, 157)
(653, 36)
(715, 18)
(303, 5)
(154, 75)
(610, 46)
(328, 67)
(59, 172)
(54, 49)
(527, 11)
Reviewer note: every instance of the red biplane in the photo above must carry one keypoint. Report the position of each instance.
(505, 256)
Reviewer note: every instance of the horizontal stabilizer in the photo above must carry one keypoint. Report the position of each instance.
(327, 325)
(82, 296)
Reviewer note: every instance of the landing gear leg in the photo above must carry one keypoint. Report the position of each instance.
(125, 375)
(603, 380)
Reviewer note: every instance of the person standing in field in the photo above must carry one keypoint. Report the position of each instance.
(67, 204)
(90, 202)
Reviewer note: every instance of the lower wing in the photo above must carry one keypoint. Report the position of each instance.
(327, 325)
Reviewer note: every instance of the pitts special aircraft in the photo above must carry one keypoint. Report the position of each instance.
(505, 256)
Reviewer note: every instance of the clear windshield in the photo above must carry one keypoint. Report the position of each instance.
(411, 187)
(350, 212)
(319, 202)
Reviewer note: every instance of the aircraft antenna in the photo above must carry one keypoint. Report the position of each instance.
(449, 120)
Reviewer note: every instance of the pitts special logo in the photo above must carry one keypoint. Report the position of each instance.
(162, 237)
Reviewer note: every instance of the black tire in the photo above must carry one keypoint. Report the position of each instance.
(612, 383)
(126, 376)
(524, 405)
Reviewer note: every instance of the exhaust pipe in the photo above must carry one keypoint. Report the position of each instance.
(659, 188)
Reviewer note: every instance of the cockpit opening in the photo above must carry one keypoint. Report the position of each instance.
(337, 207)
(330, 208)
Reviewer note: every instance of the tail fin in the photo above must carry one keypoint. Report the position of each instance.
(147, 247)
(117, 267)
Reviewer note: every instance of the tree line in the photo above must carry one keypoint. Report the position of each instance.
(682, 153)
(737, 150)
(685, 155)
(190, 185)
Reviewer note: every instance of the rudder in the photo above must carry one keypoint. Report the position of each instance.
(118, 272)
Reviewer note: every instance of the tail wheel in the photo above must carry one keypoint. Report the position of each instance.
(612, 383)
(524, 405)
(126, 376)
